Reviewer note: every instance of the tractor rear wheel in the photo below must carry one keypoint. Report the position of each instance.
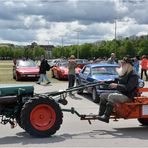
(41, 117)
(143, 121)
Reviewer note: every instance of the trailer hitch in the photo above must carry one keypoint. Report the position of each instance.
(82, 116)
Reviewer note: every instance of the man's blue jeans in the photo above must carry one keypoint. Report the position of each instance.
(42, 77)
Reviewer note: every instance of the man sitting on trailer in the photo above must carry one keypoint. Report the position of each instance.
(126, 89)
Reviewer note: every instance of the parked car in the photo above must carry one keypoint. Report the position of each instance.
(81, 62)
(99, 72)
(25, 69)
(53, 62)
(60, 70)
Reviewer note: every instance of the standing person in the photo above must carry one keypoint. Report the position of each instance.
(71, 72)
(126, 90)
(144, 67)
(111, 60)
(42, 71)
(136, 63)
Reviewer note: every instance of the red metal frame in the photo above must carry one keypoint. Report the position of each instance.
(138, 108)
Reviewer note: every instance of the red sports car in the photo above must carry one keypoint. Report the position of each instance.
(81, 62)
(60, 70)
(25, 69)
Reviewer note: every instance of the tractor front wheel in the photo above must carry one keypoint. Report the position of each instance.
(41, 117)
(143, 121)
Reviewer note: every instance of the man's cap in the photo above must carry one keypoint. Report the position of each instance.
(72, 57)
(127, 59)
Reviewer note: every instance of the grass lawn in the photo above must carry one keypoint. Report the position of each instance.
(6, 75)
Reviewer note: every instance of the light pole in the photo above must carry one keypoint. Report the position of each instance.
(78, 32)
(62, 42)
(115, 29)
(78, 44)
(48, 51)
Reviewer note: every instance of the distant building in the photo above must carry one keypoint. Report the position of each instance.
(6, 45)
(48, 49)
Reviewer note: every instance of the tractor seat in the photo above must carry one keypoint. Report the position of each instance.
(8, 99)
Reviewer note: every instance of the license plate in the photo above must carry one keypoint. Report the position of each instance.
(31, 75)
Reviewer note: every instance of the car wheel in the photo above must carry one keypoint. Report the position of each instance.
(58, 76)
(78, 83)
(17, 77)
(95, 97)
(53, 76)
(14, 76)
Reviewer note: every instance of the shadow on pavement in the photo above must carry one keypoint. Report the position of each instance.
(116, 133)
(130, 132)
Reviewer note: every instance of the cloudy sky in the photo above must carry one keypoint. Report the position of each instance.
(69, 22)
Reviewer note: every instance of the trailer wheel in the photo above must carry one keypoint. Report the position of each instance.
(41, 117)
(143, 121)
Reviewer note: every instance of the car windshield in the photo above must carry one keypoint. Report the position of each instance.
(81, 61)
(65, 64)
(104, 70)
(27, 63)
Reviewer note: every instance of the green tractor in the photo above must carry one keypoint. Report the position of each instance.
(39, 115)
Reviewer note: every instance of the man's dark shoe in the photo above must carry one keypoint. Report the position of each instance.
(48, 82)
(38, 83)
(103, 118)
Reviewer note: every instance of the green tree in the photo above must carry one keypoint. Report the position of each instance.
(129, 48)
(143, 47)
(38, 51)
(85, 50)
(18, 53)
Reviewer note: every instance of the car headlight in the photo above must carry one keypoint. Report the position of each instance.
(141, 83)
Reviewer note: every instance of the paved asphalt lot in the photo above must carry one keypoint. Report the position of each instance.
(77, 133)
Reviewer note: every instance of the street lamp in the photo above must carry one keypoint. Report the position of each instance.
(78, 44)
(115, 29)
(78, 33)
(49, 53)
(62, 43)
(116, 22)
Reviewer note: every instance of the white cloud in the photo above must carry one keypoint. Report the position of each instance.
(33, 21)
(42, 20)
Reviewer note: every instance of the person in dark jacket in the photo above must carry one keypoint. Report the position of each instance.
(126, 89)
(42, 71)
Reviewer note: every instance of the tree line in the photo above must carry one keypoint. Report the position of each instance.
(127, 46)
(122, 47)
(34, 52)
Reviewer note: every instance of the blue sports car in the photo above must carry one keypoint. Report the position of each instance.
(98, 72)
